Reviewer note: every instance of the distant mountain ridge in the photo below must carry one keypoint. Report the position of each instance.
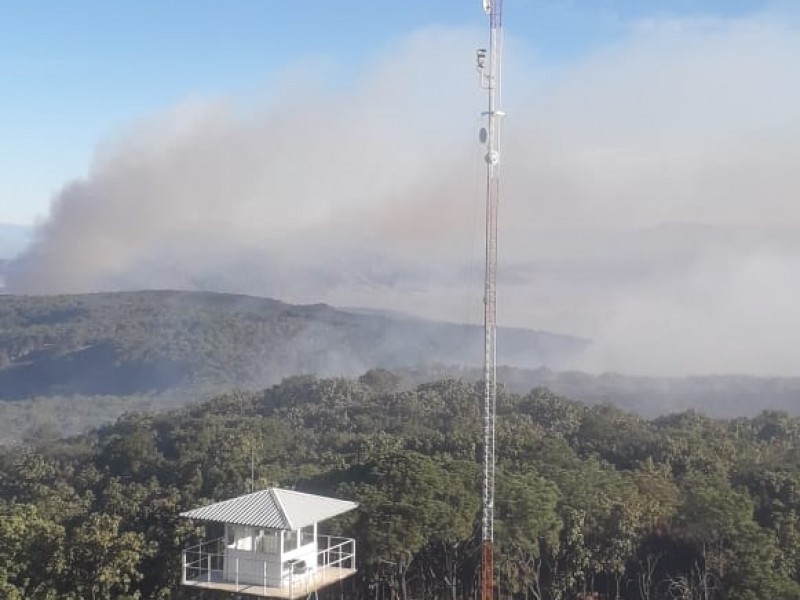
(138, 342)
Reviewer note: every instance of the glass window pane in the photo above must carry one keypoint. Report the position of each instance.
(268, 541)
(306, 535)
(290, 539)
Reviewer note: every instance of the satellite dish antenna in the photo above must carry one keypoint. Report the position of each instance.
(487, 6)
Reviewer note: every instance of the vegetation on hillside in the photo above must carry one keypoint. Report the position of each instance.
(70, 363)
(590, 498)
(137, 342)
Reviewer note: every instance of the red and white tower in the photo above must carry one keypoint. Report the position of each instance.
(489, 67)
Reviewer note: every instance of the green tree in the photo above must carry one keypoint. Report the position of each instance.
(528, 528)
(408, 500)
(104, 561)
(31, 553)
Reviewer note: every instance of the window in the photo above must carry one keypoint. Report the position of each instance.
(307, 535)
(290, 539)
(268, 541)
(239, 537)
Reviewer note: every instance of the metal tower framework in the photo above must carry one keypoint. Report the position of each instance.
(489, 67)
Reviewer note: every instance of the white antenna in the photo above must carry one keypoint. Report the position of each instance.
(490, 81)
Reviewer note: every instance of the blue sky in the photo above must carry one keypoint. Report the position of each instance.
(72, 74)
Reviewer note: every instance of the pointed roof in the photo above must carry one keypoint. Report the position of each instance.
(273, 508)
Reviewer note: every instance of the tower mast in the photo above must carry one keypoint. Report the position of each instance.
(490, 81)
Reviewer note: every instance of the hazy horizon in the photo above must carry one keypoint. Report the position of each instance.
(648, 195)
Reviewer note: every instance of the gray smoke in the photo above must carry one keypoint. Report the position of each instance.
(649, 201)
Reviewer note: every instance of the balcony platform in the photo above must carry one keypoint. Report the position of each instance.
(298, 589)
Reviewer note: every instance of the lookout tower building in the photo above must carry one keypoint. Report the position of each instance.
(270, 545)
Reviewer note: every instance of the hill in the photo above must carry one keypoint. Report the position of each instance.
(69, 363)
(139, 342)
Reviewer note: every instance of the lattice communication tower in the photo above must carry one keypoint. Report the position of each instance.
(489, 67)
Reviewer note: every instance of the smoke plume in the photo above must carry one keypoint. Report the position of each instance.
(649, 199)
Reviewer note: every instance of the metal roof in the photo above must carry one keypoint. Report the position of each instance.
(273, 508)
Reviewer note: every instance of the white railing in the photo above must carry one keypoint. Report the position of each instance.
(337, 553)
(205, 563)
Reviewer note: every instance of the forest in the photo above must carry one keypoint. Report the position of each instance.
(592, 501)
(137, 342)
(74, 362)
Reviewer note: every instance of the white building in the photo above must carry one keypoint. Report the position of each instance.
(271, 546)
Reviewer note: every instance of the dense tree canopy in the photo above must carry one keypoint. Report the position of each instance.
(590, 499)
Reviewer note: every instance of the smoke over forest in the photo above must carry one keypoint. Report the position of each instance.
(649, 200)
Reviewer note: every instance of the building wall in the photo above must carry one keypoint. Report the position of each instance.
(252, 567)
(245, 564)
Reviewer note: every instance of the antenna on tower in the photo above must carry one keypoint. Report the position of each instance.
(488, 63)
